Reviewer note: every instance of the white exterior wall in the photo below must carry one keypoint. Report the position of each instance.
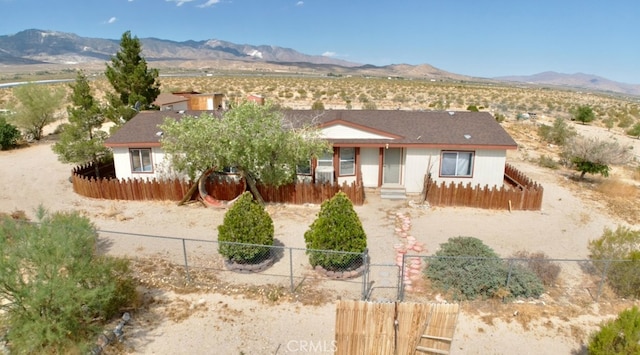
(488, 168)
(369, 160)
(416, 164)
(122, 163)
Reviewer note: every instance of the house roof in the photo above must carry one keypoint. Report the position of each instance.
(168, 99)
(393, 128)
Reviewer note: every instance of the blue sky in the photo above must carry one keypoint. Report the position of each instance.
(471, 37)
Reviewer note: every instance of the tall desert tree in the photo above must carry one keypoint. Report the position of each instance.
(595, 156)
(134, 83)
(584, 114)
(37, 107)
(82, 140)
(254, 139)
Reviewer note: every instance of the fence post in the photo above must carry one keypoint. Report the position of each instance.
(401, 285)
(291, 269)
(186, 264)
(365, 274)
(511, 262)
(602, 279)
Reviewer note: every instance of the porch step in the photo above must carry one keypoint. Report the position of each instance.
(393, 193)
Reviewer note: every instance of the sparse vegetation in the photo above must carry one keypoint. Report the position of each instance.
(559, 133)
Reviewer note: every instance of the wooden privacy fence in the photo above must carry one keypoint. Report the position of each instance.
(110, 188)
(394, 328)
(521, 193)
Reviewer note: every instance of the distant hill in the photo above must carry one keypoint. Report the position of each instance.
(38, 47)
(577, 80)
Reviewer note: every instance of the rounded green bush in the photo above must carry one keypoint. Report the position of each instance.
(336, 228)
(619, 336)
(9, 134)
(467, 268)
(246, 222)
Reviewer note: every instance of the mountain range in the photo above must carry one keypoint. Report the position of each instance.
(39, 47)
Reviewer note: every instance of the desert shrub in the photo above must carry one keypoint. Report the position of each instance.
(547, 162)
(618, 336)
(539, 263)
(634, 131)
(621, 247)
(317, 105)
(336, 228)
(9, 134)
(468, 269)
(500, 117)
(559, 133)
(61, 294)
(246, 222)
(472, 108)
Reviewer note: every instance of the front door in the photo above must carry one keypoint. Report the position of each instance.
(392, 162)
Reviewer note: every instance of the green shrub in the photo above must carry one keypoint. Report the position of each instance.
(9, 134)
(246, 222)
(473, 108)
(467, 268)
(317, 105)
(500, 117)
(336, 228)
(618, 336)
(61, 294)
(559, 133)
(547, 162)
(620, 245)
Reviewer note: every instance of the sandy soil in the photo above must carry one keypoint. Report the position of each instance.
(223, 323)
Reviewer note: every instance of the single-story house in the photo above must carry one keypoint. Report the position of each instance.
(382, 148)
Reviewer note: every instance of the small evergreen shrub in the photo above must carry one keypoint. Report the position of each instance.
(621, 247)
(9, 134)
(559, 133)
(336, 228)
(468, 269)
(246, 222)
(618, 336)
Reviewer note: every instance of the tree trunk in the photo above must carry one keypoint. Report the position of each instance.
(194, 187)
(251, 183)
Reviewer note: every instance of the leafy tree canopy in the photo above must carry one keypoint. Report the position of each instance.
(594, 156)
(584, 114)
(38, 106)
(255, 139)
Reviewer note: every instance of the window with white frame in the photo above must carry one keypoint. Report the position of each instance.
(141, 160)
(347, 161)
(458, 164)
(326, 159)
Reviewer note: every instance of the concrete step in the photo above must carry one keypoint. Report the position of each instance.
(393, 193)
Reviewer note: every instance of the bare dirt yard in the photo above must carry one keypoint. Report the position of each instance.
(235, 318)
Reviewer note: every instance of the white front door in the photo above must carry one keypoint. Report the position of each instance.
(392, 162)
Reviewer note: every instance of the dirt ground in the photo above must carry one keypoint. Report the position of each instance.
(263, 320)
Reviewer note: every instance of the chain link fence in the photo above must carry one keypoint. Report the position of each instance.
(207, 263)
(440, 278)
(203, 263)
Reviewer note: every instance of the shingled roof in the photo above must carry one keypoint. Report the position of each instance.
(444, 129)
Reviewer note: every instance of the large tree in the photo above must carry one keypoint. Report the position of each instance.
(254, 139)
(82, 140)
(594, 156)
(37, 107)
(136, 85)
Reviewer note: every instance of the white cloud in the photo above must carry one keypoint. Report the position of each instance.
(179, 2)
(112, 20)
(329, 54)
(300, 3)
(209, 3)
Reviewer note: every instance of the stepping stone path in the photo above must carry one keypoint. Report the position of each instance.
(406, 247)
